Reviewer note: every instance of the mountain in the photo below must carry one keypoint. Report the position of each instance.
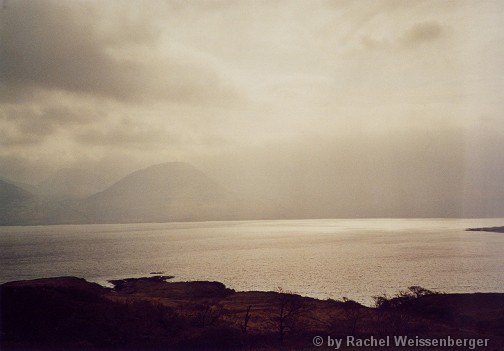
(72, 183)
(20, 207)
(24, 186)
(165, 192)
(12, 195)
(171, 191)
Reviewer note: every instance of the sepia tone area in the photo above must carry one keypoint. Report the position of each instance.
(251, 175)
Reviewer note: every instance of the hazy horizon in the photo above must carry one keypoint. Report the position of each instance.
(330, 106)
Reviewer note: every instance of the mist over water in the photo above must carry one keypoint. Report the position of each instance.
(324, 258)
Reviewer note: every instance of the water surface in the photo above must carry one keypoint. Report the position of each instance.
(320, 258)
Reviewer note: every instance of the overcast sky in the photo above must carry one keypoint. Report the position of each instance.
(252, 90)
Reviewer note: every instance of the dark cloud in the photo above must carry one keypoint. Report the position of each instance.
(69, 46)
(423, 32)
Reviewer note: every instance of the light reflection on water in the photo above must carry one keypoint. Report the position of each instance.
(320, 258)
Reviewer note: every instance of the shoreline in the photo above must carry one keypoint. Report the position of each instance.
(245, 220)
(155, 312)
(487, 229)
(365, 300)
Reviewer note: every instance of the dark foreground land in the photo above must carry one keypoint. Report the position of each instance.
(70, 313)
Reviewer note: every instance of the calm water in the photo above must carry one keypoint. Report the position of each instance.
(319, 258)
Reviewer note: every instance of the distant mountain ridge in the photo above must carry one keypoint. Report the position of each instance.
(12, 194)
(164, 192)
(172, 191)
(71, 183)
(176, 191)
(20, 207)
(24, 186)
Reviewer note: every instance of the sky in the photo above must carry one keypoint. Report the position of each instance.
(329, 104)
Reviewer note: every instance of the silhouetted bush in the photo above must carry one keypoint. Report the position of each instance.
(284, 317)
(413, 292)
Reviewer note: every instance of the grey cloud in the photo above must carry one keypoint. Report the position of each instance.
(26, 125)
(126, 132)
(423, 32)
(129, 132)
(417, 34)
(207, 5)
(52, 45)
(19, 167)
(12, 138)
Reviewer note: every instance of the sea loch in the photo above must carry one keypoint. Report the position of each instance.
(323, 258)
